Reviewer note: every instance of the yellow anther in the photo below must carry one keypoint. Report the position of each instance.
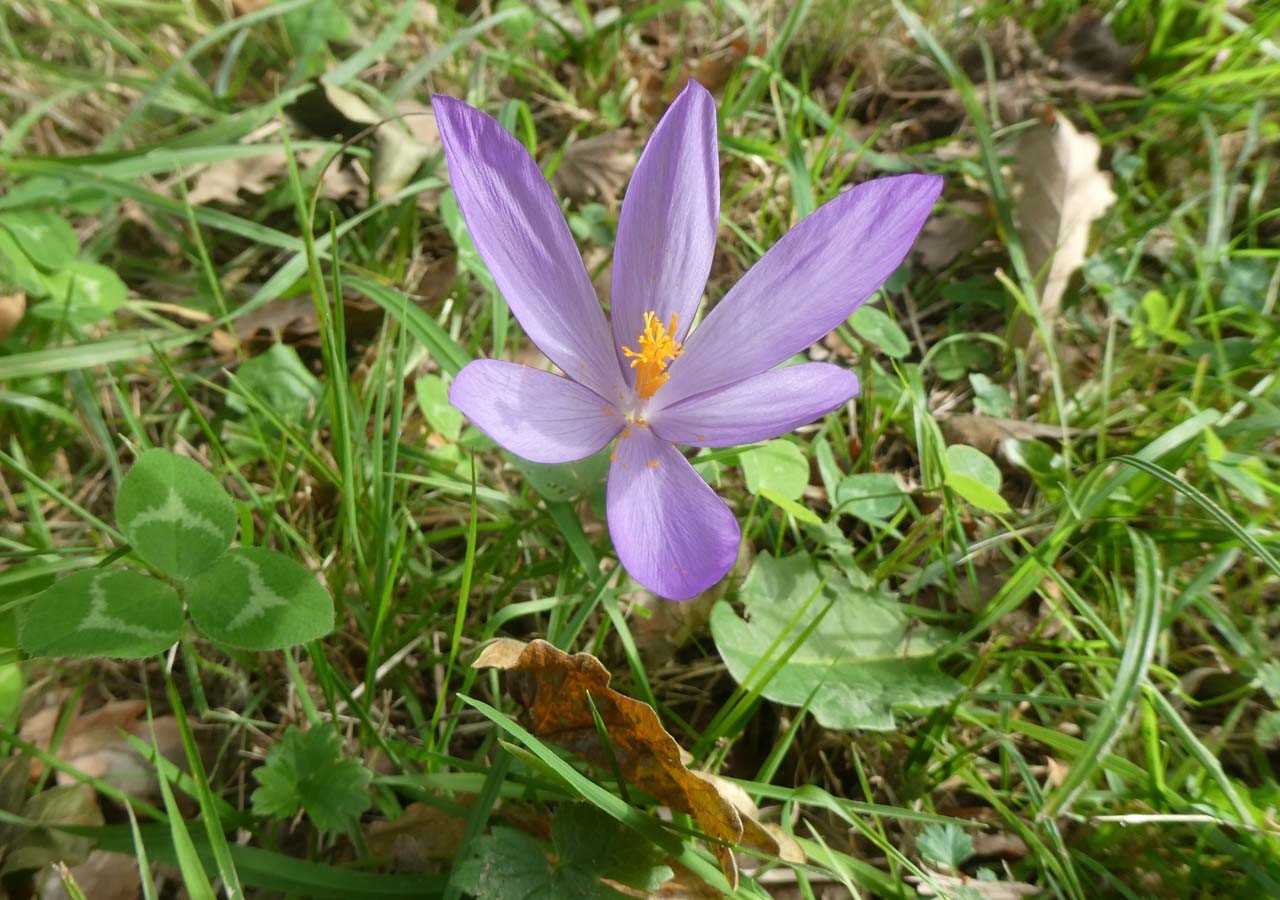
(657, 350)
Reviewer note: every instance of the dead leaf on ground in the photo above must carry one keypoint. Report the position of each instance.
(953, 886)
(946, 236)
(422, 833)
(558, 692)
(103, 876)
(12, 308)
(93, 744)
(1062, 192)
(988, 432)
(596, 168)
(225, 181)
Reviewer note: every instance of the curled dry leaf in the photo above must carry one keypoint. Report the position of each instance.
(596, 168)
(12, 308)
(1062, 192)
(964, 886)
(94, 745)
(558, 691)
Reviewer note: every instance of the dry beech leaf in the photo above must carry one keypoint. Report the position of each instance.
(956, 886)
(1062, 192)
(421, 833)
(94, 745)
(596, 168)
(554, 687)
(12, 308)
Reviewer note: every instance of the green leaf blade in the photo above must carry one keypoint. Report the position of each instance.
(103, 612)
(257, 599)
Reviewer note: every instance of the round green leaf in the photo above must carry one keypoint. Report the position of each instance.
(82, 292)
(776, 466)
(870, 496)
(175, 513)
(102, 612)
(975, 477)
(259, 600)
(875, 326)
(45, 238)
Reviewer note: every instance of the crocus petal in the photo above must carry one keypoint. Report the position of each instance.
(671, 531)
(757, 408)
(807, 284)
(522, 237)
(536, 415)
(667, 229)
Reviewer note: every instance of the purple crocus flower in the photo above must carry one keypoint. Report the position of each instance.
(650, 383)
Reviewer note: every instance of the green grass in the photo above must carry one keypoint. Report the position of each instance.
(1113, 631)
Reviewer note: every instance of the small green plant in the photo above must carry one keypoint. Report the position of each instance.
(307, 770)
(181, 523)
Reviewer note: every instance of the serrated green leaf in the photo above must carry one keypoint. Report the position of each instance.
(600, 846)
(875, 326)
(258, 599)
(870, 496)
(778, 466)
(945, 845)
(46, 239)
(307, 770)
(862, 661)
(175, 513)
(103, 612)
(975, 477)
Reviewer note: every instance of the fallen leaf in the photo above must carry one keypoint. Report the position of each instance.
(12, 309)
(103, 876)
(421, 833)
(94, 745)
(596, 168)
(40, 846)
(964, 886)
(1062, 192)
(988, 432)
(558, 692)
(944, 237)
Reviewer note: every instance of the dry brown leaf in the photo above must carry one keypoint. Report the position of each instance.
(1062, 192)
(12, 308)
(421, 834)
(558, 692)
(103, 876)
(944, 237)
(596, 168)
(93, 744)
(988, 432)
(952, 885)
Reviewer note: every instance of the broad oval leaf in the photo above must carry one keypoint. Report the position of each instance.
(975, 477)
(870, 496)
(875, 325)
(863, 660)
(46, 238)
(257, 599)
(778, 466)
(103, 612)
(175, 513)
(82, 292)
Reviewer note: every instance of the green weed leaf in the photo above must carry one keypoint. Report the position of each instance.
(433, 400)
(307, 770)
(175, 513)
(945, 845)
(46, 239)
(82, 292)
(973, 475)
(863, 660)
(875, 326)
(103, 612)
(870, 496)
(602, 847)
(776, 466)
(258, 599)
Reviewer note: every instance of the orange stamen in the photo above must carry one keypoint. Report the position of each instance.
(657, 350)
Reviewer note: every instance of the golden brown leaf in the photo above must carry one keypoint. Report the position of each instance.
(558, 691)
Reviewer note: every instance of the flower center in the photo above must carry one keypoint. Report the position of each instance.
(657, 350)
